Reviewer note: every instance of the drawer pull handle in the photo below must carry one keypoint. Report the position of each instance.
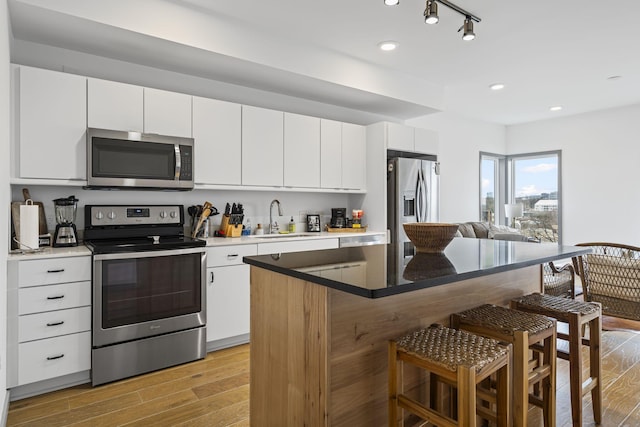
(59, 356)
(56, 271)
(55, 323)
(213, 277)
(56, 297)
(232, 256)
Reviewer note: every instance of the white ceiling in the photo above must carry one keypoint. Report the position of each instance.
(546, 52)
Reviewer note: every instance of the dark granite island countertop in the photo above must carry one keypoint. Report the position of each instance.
(384, 270)
(321, 321)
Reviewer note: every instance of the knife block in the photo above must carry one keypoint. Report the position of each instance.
(230, 230)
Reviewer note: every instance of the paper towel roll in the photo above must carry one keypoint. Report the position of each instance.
(29, 225)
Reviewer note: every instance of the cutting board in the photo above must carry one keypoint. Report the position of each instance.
(15, 214)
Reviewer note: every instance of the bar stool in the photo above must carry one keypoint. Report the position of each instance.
(576, 314)
(524, 331)
(459, 358)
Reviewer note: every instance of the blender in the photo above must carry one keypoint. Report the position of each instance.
(66, 234)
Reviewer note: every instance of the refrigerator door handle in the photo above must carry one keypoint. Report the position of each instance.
(425, 199)
(420, 197)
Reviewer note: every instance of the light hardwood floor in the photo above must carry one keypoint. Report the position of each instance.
(215, 392)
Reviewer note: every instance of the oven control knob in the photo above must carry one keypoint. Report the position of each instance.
(173, 214)
(111, 215)
(163, 214)
(99, 215)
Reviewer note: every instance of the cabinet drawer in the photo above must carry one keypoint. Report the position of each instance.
(53, 270)
(229, 255)
(53, 357)
(53, 323)
(36, 299)
(298, 246)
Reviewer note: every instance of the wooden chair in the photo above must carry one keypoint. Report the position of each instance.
(524, 331)
(611, 276)
(576, 314)
(459, 358)
(559, 282)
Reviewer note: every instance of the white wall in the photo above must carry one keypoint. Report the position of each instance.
(460, 143)
(600, 162)
(4, 197)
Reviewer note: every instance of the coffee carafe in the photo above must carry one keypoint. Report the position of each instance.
(65, 210)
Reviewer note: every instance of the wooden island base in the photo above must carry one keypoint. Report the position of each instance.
(319, 355)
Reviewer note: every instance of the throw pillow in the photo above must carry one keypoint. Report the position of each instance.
(481, 229)
(513, 237)
(501, 229)
(466, 230)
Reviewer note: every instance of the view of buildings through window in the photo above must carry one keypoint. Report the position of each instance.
(531, 180)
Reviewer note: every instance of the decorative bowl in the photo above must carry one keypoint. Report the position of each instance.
(430, 237)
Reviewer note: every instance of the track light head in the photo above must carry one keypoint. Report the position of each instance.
(468, 33)
(391, 2)
(431, 12)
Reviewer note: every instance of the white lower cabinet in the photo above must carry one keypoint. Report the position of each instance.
(48, 318)
(297, 246)
(228, 294)
(227, 302)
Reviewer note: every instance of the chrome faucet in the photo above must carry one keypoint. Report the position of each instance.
(273, 228)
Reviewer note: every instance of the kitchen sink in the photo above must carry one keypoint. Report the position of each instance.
(279, 236)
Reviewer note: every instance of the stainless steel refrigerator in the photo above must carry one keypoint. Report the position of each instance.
(413, 195)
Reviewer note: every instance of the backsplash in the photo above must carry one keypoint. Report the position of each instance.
(256, 203)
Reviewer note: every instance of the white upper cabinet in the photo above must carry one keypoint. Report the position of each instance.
(426, 141)
(400, 137)
(262, 146)
(354, 140)
(50, 124)
(114, 105)
(410, 139)
(330, 154)
(167, 113)
(218, 144)
(301, 151)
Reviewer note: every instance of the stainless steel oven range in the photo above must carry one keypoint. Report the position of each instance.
(148, 290)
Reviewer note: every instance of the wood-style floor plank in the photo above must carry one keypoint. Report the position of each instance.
(215, 392)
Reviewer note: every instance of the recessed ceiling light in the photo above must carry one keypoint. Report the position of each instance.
(388, 45)
(556, 108)
(392, 2)
(496, 86)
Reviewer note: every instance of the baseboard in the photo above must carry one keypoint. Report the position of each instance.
(52, 384)
(227, 342)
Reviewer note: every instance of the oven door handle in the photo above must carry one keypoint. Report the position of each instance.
(149, 254)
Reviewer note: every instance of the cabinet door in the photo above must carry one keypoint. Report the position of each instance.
(227, 302)
(330, 154)
(167, 113)
(426, 141)
(353, 156)
(301, 151)
(399, 137)
(262, 145)
(52, 124)
(114, 105)
(218, 144)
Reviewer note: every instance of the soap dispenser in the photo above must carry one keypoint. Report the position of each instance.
(292, 226)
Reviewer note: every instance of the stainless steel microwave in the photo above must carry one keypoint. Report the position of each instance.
(118, 159)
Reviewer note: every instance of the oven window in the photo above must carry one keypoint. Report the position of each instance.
(144, 289)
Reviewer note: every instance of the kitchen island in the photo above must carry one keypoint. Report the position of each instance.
(321, 320)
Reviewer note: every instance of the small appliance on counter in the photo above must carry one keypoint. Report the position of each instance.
(66, 233)
(338, 217)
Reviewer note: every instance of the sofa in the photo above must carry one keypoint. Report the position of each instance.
(485, 230)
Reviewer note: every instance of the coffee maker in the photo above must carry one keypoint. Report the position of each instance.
(66, 233)
(338, 217)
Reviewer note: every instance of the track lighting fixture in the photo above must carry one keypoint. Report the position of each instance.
(468, 33)
(431, 12)
(431, 15)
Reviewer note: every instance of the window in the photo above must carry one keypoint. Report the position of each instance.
(531, 180)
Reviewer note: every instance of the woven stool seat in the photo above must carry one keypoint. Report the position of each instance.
(450, 348)
(577, 315)
(529, 333)
(554, 304)
(505, 320)
(457, 359)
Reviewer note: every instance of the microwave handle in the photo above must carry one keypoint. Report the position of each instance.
(178, 161)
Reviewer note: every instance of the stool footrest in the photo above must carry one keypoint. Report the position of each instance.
(425, 413)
